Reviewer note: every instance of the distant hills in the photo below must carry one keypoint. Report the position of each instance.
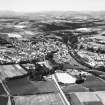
(100, 14)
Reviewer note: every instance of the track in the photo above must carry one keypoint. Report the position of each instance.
(61, 94)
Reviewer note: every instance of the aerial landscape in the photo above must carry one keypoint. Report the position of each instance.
(52, 59)
(52, 52)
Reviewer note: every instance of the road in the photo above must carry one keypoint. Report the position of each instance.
(62, 95)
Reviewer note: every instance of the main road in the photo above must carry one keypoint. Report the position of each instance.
(61, 94)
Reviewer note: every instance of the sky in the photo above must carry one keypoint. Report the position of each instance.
(52, 5)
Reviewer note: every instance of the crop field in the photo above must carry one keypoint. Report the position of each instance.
(46, 99)
(23, 86)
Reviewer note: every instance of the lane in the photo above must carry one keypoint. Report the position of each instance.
(62, 95)
(4, 86)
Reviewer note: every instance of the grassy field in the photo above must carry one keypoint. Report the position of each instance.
(45, 99)
(23, 86)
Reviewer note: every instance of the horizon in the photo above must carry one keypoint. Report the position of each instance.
(52, 11)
